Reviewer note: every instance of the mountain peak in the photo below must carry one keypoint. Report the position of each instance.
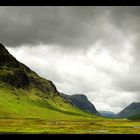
(14, 73)
(6, 59)
(3, 50)
(2, 46)
(135, 103)
(81, 101)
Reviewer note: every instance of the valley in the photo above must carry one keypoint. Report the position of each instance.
(70, 126)
(26, 112)
(32, 104)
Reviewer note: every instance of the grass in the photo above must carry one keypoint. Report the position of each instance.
(31, 111)
(28, 104)
(77, 126)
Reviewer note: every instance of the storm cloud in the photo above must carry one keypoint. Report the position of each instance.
(65, 26)
(89, 50)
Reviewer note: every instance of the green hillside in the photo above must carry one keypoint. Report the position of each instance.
(25, 94)
(32, 103)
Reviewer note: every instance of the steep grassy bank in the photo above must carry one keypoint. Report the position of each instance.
(19, 103)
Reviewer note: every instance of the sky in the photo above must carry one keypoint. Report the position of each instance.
(84, 50)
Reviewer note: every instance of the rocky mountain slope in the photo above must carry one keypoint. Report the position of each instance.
(131, 110)
(20, 76)
(80, 101)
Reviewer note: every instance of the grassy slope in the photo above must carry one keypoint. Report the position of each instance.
(135, 117)
(26, 112)
(34, 104)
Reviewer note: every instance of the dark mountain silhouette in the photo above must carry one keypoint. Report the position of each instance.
(80, 101)
(131, 110)
(14, 73)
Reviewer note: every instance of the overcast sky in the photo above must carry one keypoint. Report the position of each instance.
(83, 50)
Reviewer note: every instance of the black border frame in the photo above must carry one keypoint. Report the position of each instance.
(69, 3)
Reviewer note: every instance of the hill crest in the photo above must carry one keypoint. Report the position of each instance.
(14, 73)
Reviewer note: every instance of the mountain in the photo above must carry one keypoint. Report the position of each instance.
(24, 94)
(20, 76)
(107, 114)
(131, 110)
(80, 101)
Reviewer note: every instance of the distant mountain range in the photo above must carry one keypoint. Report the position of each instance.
(107, 114)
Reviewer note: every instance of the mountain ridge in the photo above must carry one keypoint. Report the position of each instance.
(18, 82)
(108, 114)
(81, 101)
(19, 75)
(131, 110)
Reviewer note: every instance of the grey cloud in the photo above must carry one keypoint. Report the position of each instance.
(126, 17)
(131, 84)
(66, 26)
(72, 75)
